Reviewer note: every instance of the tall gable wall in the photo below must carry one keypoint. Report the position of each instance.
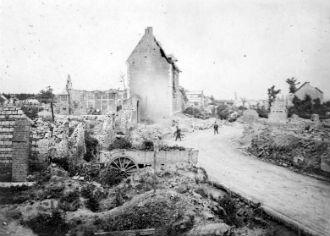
(151, 79)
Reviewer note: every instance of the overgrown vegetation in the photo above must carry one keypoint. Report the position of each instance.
(14, 195)
(262, 111)
(110, 177)
(92, 200)
(196, 112)
(157, 214)
(223, 112)
(305, 108)
(30, 111)
(48, 225)
(91, 147)
(120, 143)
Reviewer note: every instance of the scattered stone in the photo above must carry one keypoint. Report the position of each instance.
(218, 229)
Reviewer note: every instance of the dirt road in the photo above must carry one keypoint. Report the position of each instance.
(301, 200)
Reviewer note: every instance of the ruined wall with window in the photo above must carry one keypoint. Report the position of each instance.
(84, 102)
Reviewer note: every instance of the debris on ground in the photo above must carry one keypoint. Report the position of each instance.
(178, 201)
(300, 145)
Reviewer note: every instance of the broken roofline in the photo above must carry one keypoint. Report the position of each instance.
(162, 52)
(94, 91)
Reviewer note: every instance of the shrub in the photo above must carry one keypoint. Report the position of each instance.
(196, 112)
(223, 112)
(262, 112)
(92, 201)
(155, 214)
(30, 111)
(48, 225)
(110, 177)
(193, 111)
(91, 147)
(14, 195)
(201, 191)
(148, 145)
(120, 143)
(62, 162)
(229, 205)
(70, 201)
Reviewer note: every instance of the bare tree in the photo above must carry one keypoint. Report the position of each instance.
(272, 93)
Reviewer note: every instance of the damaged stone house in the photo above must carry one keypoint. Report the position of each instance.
(196, 99)
(83, 102)
(307, 89)
(153, 78)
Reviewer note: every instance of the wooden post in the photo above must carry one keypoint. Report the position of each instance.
(156, 149)
(52, 109)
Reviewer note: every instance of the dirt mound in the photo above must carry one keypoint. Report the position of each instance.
(289, 149)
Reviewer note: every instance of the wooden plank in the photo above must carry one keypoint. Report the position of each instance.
(136, 232)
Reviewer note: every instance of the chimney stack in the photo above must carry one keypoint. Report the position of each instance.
(148, 30)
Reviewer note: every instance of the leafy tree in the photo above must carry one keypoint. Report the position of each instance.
(20, 96)
(272, 93)
(223, 112)
(46, 96)
(293, 84)
(305, 108)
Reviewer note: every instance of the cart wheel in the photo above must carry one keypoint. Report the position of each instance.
(124, 165)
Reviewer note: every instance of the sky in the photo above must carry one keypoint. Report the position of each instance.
(223, 46)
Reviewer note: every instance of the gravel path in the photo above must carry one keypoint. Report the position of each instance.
(300, 200)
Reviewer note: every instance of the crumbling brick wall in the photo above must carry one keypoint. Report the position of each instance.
(14, 144)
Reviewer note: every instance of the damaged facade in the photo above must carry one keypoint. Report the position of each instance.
(307, 89)
(278, 111)
(153, 78)
(83, 102)
(196, 99)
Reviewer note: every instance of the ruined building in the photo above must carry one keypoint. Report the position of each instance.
(83, 102)
(307, 89)
(278, 111)
(153, 78)
(14, 144)
(196, 99)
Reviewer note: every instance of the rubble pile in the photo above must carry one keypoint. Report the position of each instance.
(177, 201)
(103, 130)
(190, 124)
(300, 145)
(167, 128)
(67, 137)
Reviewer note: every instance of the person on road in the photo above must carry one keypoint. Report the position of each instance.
(216, 128)
(177, 133)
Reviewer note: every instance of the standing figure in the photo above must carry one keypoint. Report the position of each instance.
(216, 128)
(177, 133)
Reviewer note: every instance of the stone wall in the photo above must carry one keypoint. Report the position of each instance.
(14, 144)
(278, 112)
(153, 79)
(164, 158)
(88, 102)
